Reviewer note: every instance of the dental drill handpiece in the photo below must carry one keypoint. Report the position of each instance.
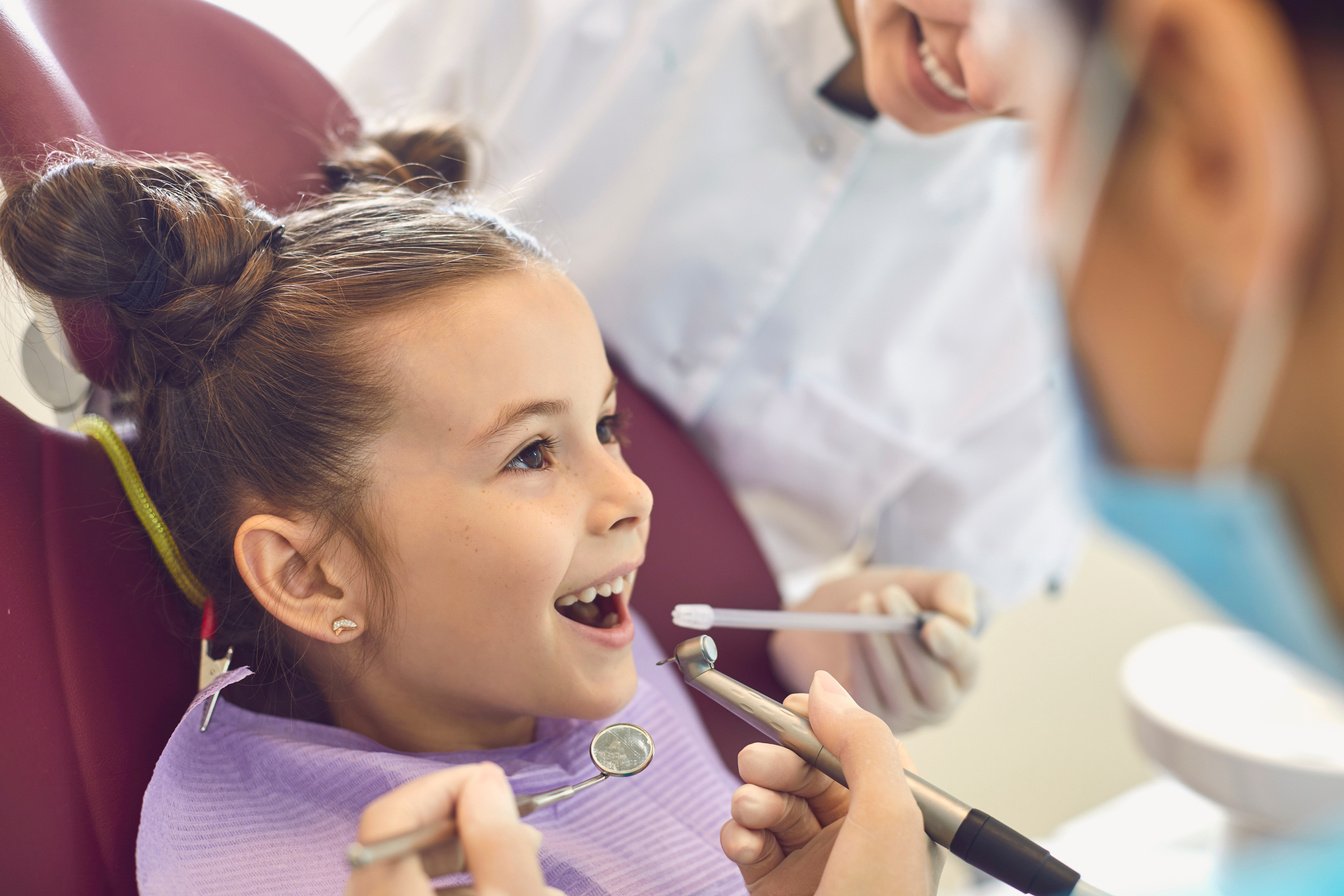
(971, 835)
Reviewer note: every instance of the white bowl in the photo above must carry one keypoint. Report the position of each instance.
(1241, 722)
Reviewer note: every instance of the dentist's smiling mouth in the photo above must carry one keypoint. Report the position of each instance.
(598, 605)
(940, 88)
(938, 75)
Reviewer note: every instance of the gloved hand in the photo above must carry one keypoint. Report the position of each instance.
(908, 679)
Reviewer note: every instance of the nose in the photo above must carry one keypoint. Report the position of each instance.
(621, 499)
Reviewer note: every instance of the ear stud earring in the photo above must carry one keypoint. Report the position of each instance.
(342, 625)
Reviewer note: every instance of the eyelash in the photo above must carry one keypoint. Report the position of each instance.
(613, 423)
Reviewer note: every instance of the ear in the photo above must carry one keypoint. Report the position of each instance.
(1223, 98)
(305, 582)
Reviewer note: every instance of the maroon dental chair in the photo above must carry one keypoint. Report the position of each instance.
(97, 649)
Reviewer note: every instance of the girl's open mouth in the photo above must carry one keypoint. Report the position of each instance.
(597, 606)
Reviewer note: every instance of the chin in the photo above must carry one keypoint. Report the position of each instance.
(891, 100)
(602, 700)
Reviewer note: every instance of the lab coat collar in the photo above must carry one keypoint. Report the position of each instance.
(811, 39)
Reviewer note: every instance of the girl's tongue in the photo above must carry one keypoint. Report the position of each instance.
(600, 613)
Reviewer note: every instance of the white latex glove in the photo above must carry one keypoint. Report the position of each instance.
(501, 850)
(908, 679)
(795, 831)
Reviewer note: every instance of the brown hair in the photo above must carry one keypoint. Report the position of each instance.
(1312, 21)
(248, 380)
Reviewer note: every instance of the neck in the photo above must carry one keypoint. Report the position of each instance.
(1304, 438)
(401, 719)
(447, 731)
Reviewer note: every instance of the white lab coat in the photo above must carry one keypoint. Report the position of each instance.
(846, 316)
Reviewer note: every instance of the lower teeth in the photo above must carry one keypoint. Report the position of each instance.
(585, 613)
(590, 614)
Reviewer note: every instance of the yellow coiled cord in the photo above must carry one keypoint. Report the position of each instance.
(101, 431)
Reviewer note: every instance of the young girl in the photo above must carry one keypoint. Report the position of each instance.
(384, 433)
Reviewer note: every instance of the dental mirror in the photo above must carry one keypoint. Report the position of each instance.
(621, 750)
(618, 751)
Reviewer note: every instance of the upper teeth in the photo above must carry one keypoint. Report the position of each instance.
(938, 75)
(592, 592)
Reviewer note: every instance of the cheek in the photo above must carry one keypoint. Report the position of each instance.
(883, 37)
(493, 546)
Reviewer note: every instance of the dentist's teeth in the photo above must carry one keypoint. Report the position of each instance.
(938, 75)
(618, 586)
(604, 589)
(610, 619)
(568, 600)
(588, 595)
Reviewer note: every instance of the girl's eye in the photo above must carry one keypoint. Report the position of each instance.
(611, 428)
(534, 457)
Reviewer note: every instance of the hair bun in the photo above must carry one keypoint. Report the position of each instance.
(176, 248)
(425, 158)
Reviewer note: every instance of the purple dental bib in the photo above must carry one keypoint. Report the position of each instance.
(262, 804)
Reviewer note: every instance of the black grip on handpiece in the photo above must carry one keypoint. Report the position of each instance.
(984, 842)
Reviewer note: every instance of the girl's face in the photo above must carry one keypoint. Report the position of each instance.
(501, 489)
(921, 66)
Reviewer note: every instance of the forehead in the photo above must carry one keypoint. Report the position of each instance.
(458, 356)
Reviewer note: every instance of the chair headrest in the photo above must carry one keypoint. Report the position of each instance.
(92, 680)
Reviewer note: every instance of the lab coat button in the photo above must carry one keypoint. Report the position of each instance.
(821, 146)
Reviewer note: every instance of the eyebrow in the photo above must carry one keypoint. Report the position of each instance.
(512, 414)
